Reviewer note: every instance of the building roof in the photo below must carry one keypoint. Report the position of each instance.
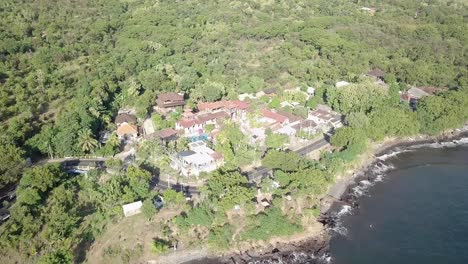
(310, 90)
(417, 92)
(275, 116)
(305, 124)
(341, 84)
(431, 90)
(291, 117)
(166, 133)
(127, 129)
(171, 97)
(170, 100)
(235, 104)
(132, 206)
(125, 118)
(202, 118)
(200, 147)
(197, 158)
(185, 153)
(186, 123)
(378, 73)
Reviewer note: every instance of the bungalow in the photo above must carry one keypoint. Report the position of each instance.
(194, 125)
(323, 115)
(292, 118)
(198, 159)
(132, 208)
(272, 117)
(414, 94)
(127, 131)
(169, 100)
(307, 126)
(166, 135)
(190, 127)
(125, 118)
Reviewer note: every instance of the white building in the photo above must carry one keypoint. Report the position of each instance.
(323, 115)
(341, 84)
(132, 208)
(198, 159)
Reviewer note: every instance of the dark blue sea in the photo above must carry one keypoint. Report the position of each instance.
(416, 214)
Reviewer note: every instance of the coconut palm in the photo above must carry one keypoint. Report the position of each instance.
(113, 140)
(86, 140)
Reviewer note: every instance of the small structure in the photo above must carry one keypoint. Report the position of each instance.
(125, 118)
(127, 131)
(310, 91)
(414, 94)
(132, 208)
(169, 100)
(341, 84)
(377, 74)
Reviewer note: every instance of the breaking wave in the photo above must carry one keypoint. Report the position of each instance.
(447, 144)
(296, 258)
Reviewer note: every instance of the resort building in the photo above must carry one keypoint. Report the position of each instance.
(198, 159)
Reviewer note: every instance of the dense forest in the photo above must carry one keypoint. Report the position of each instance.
(66, 67)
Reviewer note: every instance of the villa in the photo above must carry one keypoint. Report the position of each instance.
(198, 159)
(167, 101)
(323, 115)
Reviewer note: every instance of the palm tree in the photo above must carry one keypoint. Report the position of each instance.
(113, 140)
(86, 140)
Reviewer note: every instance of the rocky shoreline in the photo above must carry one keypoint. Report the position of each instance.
(315, 249)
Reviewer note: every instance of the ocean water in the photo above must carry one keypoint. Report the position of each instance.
(417, 213)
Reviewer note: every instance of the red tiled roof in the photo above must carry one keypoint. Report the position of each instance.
(275, 116)
(291, 117)
(170, 97)
(236, 104)
(166, 133)
(186, 123)
(127, 129)
(125, 118)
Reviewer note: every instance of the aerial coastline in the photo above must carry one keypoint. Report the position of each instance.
(314, 246)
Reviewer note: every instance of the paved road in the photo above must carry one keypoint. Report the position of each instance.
(187, 189)
(258, 173)
(262, 172)
(314, 146)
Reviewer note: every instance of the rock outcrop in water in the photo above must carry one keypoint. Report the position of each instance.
(311, 251)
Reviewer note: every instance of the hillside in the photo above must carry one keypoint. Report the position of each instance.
(68, 66)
